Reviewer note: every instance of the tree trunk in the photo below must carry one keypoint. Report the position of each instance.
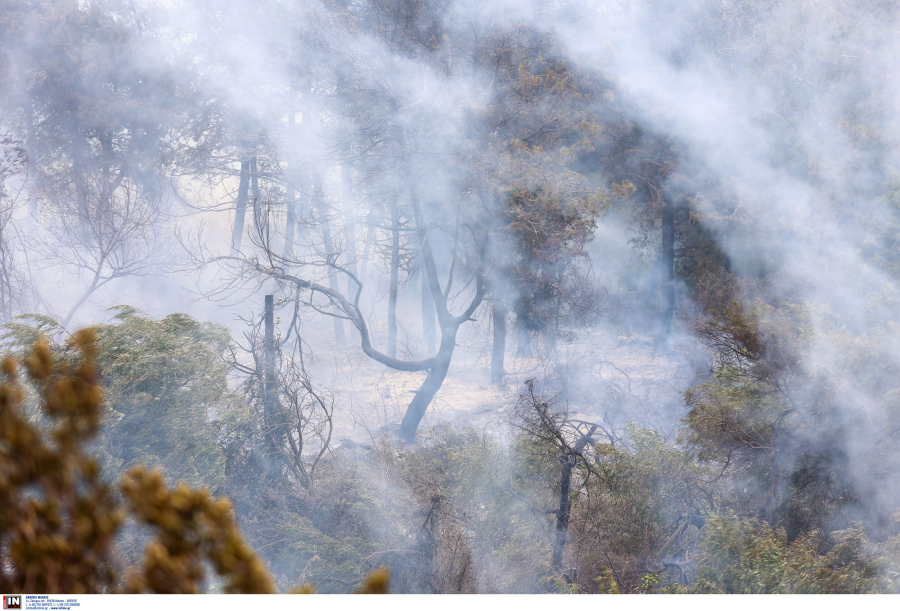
(429, 388)
(241, 209)
(367, 246)
(770, 502)
(274, 419)
(258, 217)
(428, 313)
(667, 262)
(562, 515)
(395, 273)
(339, 336)
(269, 354)
(449, 324)
(498, 317)
(95, 284)
(523, 342)
(349, 218)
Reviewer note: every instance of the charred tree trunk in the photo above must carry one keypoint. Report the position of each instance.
(274, 418)
(433, 381)
(395, 273)
(241, 210)
(498, 352)
(439, 364)
(259, 218)
(449, 324)
(566, 462)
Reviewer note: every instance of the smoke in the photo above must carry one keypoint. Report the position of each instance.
(797, 116)
(785, 117)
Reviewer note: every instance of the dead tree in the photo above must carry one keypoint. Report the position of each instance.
(569, 437)
(331, 301)
(104, 226)
(242, 196)
(296, 418)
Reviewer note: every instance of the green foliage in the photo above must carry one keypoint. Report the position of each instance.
(548, 229)
(451, 516)
(327, 537)
(167, 388)
(649, 582)
(165, 381)
(466, 506)
(773, 416)
(551, 582)
(747, 556)
(767, 417)
(641, 514)
(540, 120)
(606, 582)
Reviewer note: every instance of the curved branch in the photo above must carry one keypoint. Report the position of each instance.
(350, 309)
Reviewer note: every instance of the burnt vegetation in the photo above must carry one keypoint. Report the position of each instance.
(446, 297)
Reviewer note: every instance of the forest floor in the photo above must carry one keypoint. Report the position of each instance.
(601, 377)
